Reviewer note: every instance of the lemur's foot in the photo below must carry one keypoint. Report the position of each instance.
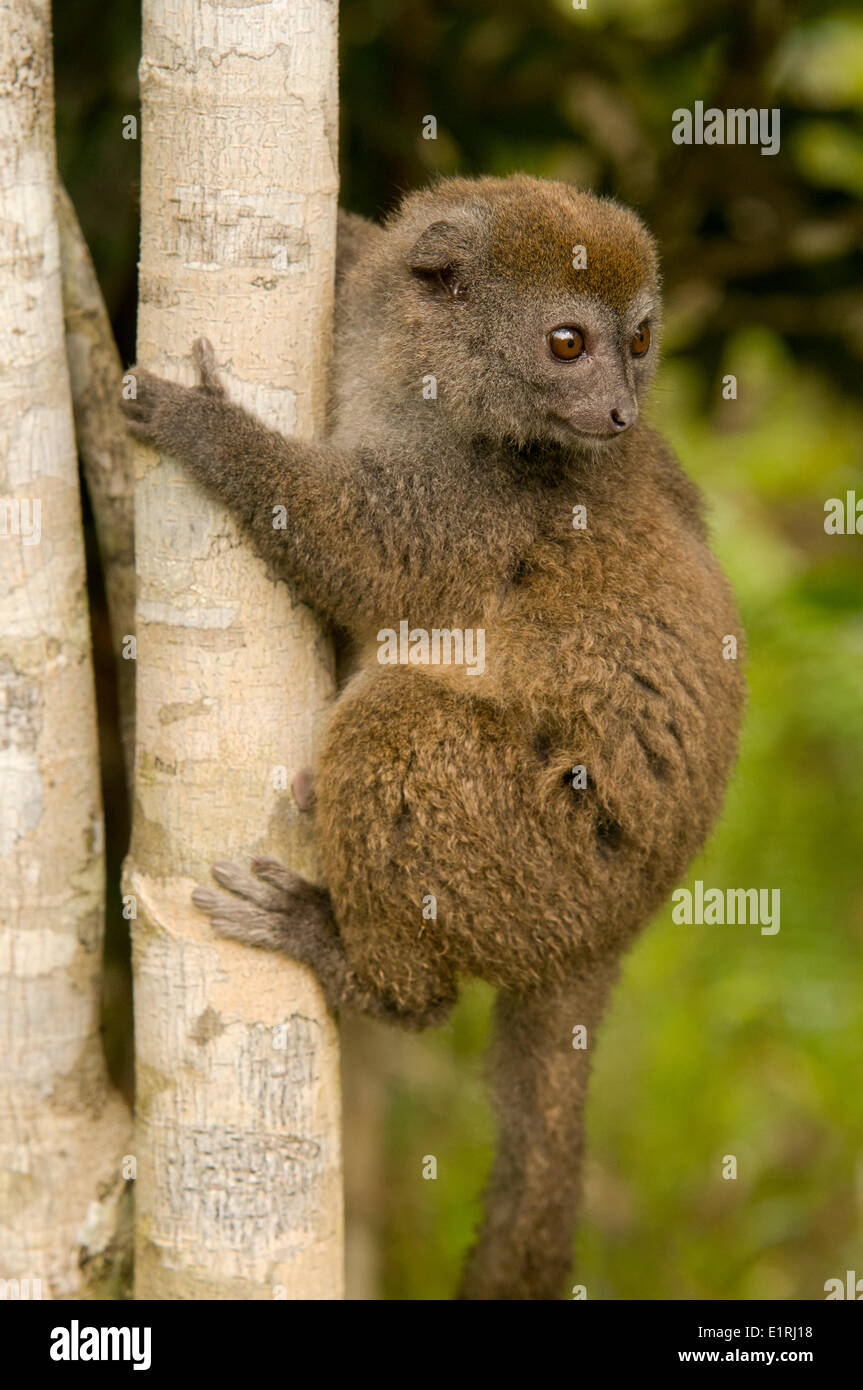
(279, 910)
(270, 907)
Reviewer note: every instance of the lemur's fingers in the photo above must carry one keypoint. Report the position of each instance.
(238, 880)
(295, 930)
(298, 897)
(140, 431)
(207, 899)
(241, 920)
(153, 406)
(205, 362)
(280, 876)
(270, 886)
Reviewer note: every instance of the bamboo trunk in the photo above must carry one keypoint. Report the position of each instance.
(239, 1175)
(63, 1132)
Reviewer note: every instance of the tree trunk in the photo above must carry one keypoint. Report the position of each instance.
(239, 1172)
(104, 445)
(63, 1131)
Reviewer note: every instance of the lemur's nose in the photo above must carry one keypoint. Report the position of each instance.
(622, 419)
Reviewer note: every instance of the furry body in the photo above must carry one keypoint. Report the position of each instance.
(603, 651)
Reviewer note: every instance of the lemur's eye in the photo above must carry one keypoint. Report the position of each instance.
(566, 343)
(640, 341)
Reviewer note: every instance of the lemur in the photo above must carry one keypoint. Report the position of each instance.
(486, 470)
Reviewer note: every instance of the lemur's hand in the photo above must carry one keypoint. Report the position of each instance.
(173, 417)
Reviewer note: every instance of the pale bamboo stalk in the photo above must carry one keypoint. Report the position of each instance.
(63, 1131)
(239, 1178)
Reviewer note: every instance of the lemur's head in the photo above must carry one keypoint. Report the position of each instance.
(535, 307)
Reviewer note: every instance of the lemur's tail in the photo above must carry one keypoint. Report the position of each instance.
(539, 1080)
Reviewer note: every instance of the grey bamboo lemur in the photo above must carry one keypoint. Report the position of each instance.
(549, 803)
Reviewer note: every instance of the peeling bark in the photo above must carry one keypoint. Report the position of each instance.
(239, 1173)
(63, 1131)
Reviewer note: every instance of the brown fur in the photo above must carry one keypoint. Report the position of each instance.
(533, 240)
(603, 649)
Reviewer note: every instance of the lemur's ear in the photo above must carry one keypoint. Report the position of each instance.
(438, 258)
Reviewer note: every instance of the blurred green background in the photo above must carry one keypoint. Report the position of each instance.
(721, 1040)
